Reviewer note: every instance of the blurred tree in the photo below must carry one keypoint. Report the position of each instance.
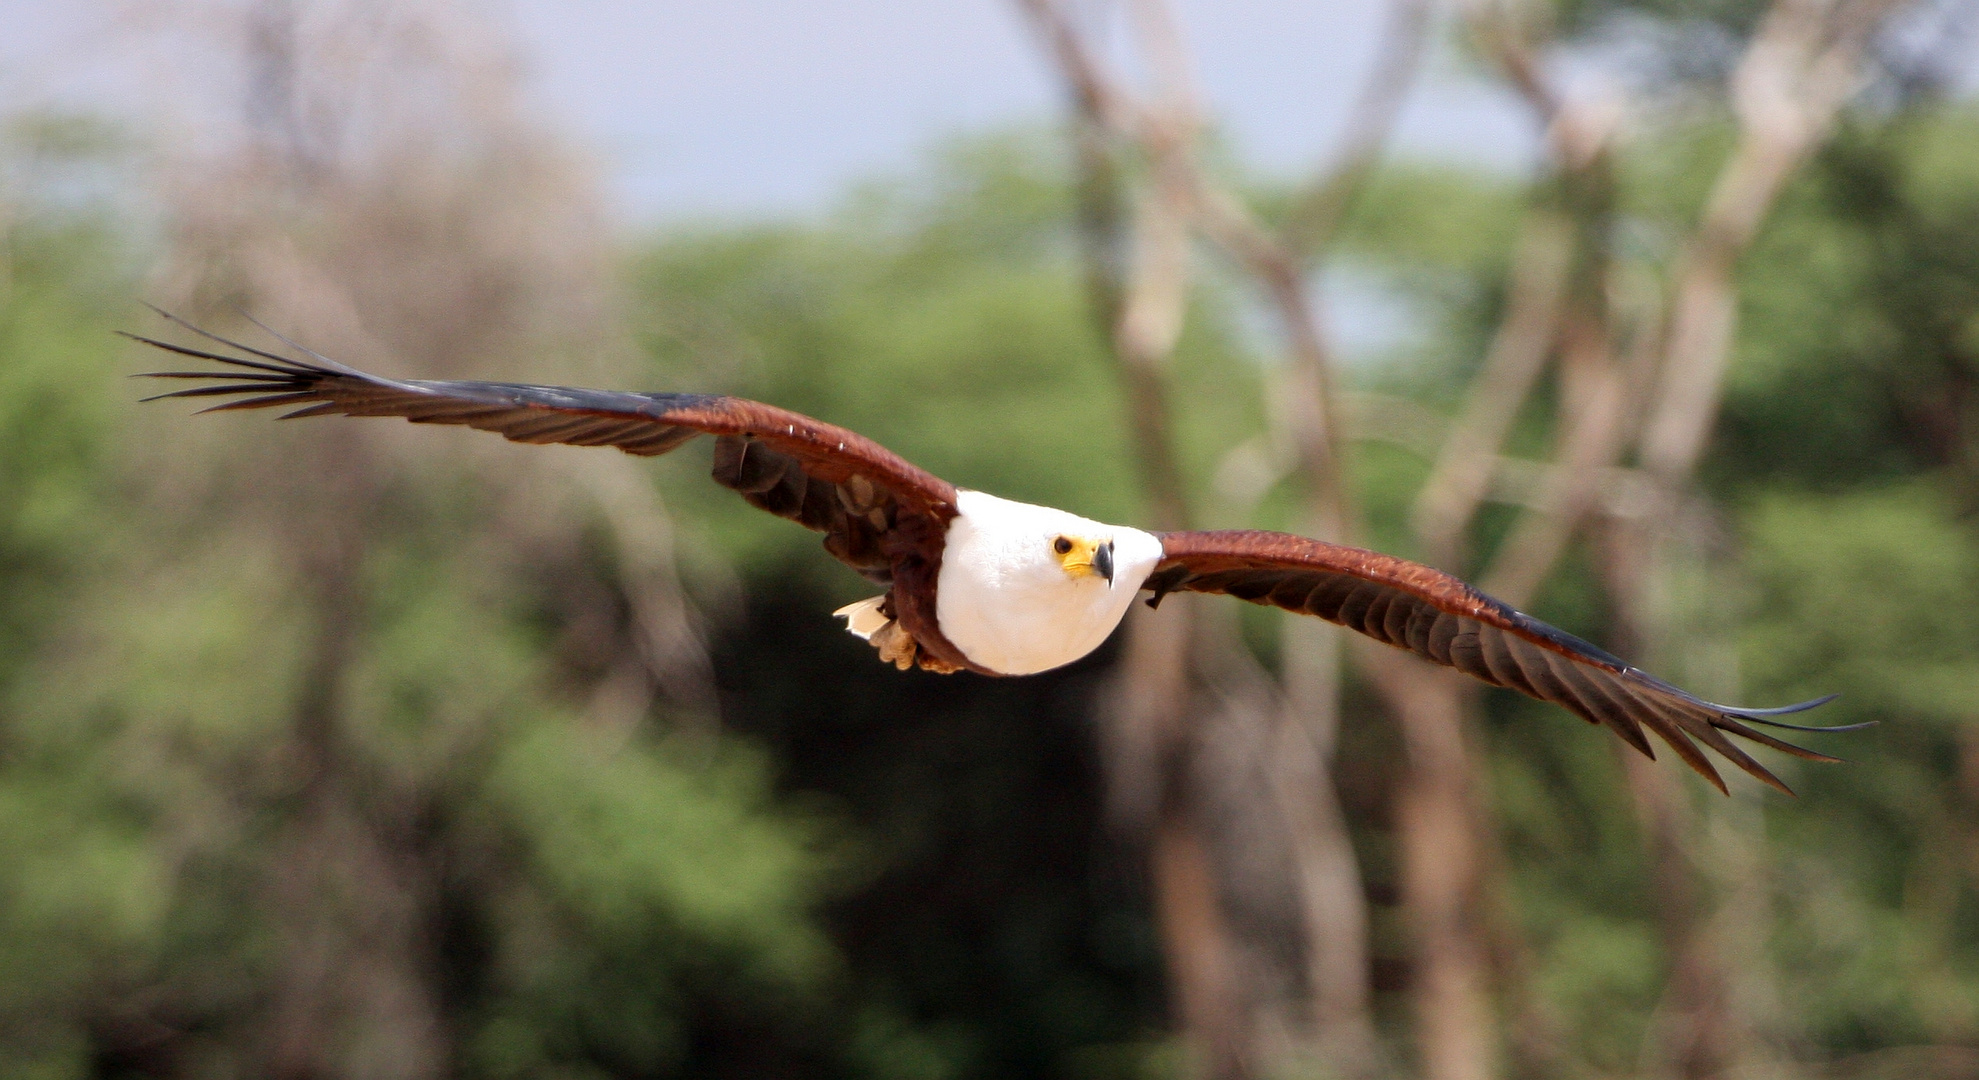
(367, 750)
(311, 765)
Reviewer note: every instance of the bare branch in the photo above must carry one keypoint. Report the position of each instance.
(1498, 33)
(1314, 221)
(1095, 91)
(1176, 93)
(1310, 398)
(1596, 427)
(1462, 476)
(1145, 726)
(1795, 76)
(1140, 305)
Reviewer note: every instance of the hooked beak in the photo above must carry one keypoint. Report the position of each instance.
(1103, 561)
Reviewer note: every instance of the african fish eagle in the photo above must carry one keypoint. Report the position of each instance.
(997, 587)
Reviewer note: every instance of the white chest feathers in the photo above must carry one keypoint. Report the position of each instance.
(1017, 595)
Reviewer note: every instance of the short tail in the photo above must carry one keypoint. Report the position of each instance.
(864, 619)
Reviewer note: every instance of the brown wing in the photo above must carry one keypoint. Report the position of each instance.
(867, 500)
(1441, 619)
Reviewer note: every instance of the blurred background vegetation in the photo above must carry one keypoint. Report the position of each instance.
(360, 750)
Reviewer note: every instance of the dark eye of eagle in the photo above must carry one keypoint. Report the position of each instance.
(1061, 545)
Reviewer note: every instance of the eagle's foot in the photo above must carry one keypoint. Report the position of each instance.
(873, 620)
(896, 645)
(899, 648)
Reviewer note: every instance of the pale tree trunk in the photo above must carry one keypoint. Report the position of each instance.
(1205, 820)
(1442, 870)
(1293, 751)
(1138, 273)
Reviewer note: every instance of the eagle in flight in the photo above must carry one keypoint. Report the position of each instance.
(998, 587)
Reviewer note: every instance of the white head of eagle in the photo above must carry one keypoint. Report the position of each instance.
(1027, 588)
(1020, 588)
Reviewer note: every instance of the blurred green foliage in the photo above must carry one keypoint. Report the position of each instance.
(153, 649)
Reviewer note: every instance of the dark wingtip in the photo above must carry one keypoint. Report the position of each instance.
(1726, 718)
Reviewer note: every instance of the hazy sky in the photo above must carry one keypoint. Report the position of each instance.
(740, 106)
(778, 102)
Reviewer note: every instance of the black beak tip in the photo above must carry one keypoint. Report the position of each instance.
(1103, 561)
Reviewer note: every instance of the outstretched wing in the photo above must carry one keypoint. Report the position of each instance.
(866, 499)
(1441, 619)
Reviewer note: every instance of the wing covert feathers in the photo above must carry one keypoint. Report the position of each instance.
(1441, 619)
(822, 476)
